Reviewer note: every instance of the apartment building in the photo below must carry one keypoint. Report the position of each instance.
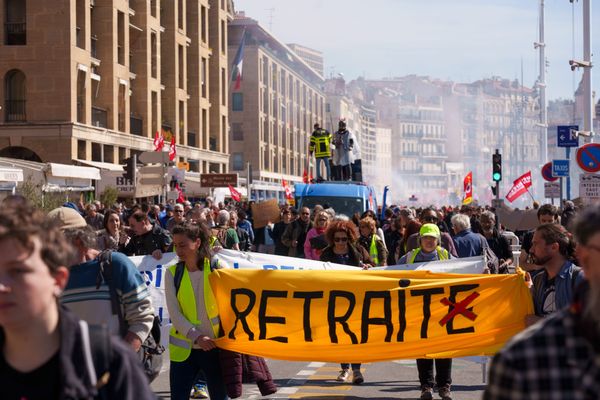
(273, 111)
(91, 81)
(312, 57)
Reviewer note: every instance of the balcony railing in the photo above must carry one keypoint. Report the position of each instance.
(15, 110)
(136, 126)
(15, 33)
(99, 117)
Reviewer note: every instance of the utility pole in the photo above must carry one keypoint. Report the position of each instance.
(587, 70)
(541, 46)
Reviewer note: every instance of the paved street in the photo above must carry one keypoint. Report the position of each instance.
(385, 380)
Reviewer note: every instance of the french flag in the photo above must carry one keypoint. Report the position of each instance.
(238, 62)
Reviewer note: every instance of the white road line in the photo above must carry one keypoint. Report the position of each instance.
(316, 364)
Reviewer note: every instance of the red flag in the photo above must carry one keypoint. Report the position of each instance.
(172, 151)
(235, 195)
(520, 187)
(159, 141)
(305, 176)
(468, 189)
(181, 197)
(286, 189)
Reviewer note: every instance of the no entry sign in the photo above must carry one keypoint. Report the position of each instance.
(547, 173)
(588, 157)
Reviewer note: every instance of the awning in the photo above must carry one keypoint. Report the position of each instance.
(101, 165)
(11, 175)
(73, 171)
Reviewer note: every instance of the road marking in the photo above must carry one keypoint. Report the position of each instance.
(306, 372)
(316, 364)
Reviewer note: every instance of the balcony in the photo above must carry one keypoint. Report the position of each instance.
(136, 126)
(15, 111)
(15, 33)
(99, 117)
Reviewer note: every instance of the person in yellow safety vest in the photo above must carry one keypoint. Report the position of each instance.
(193, 310)
(371, 242)
(430, 250)
(320, 145)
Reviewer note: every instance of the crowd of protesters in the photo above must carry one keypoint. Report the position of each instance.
(399, 235)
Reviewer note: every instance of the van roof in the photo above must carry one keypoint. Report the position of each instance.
(342, 189)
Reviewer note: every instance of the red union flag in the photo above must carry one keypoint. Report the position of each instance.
(286, 189)
(159, 141)
(235, 195)
(520, 186)
(468, 188)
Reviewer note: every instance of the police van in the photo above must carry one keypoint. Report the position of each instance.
(345, 198)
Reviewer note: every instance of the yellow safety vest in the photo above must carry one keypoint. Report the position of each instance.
(180, 346)
(442, 254)
(373, 251)
(320, 143)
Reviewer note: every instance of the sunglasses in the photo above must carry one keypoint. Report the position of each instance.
(434, 219)
(340, 239)
(178, 211)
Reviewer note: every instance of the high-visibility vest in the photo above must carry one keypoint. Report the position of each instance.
(442, 254)
(320, 143)
(180, 347)
(373, 251)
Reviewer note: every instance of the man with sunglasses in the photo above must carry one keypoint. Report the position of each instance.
(558, 358)
(177, 218)
(430, 216)
(295, 234)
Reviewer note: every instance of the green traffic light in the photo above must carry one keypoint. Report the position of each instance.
(496, 176)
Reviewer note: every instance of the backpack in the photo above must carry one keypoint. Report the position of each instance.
(151, 352)
(489, 257)
(96, 344)
(221, 234)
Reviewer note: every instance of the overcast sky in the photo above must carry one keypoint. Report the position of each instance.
(460, 40)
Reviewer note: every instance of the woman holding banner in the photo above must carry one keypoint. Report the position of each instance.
(370, 241)
(430, 250)
(194, 313)
(343, 248)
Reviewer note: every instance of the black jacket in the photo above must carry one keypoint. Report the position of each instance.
(126, 378)
(156, 239)
(357, 254)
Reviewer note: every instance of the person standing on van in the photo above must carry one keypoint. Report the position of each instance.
(320, 145)
(344, 143)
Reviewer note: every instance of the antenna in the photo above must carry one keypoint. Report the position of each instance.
(271, 15)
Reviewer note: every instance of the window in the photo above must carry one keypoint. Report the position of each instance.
(80, 33)
(15, 96)
(153, 55)
(237, 100)
(121, 38)
(238, 161)
(81, 149)
(237, 131)
(180, 62)
(15, 32)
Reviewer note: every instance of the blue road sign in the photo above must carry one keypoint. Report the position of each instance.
(566, 136)
(560, 168)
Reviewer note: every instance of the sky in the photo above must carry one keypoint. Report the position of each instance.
(458, 40)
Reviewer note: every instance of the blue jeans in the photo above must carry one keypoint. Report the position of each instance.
(184, 374)
(327, 169)
(355, 367)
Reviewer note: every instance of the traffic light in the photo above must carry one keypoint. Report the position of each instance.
(130, 168)
(497, 166)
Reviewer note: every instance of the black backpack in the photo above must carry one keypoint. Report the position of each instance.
(151, 352)
(491, 260)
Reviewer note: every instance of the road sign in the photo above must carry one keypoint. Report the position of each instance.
(566, 136)
(152, 170)
(560, 168)
(218, 180)
(152, 180)
(154, 157)
(589, 187)
(547, 172)
(183, 165)
(551, 190)
(588, 157)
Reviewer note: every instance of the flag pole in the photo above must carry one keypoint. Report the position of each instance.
(530, 194)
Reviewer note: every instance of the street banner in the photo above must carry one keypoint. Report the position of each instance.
(520, 187)
(368, 315)
(468, 189)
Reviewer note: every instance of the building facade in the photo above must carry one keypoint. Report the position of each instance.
(93, 80)
(273, 111)
(314, 58)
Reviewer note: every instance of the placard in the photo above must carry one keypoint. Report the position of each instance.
(264, 212)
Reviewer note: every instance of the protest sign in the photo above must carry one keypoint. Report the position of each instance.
(372, 315)
(265, 212)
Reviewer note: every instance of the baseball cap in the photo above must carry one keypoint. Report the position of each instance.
(169, 207)
(430, 230)
(67, 218)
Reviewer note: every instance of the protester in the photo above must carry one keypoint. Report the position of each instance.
(225, 236)
(343, 248)
(393, 238)
(177, 218)
(497, 242)
(431, 216)
(295, 234)
(558, 358)
(111, 237)
(546, 214)
(147, 239)
(45, 349)
(315, 238)
(93, 218)
(245, 244)
(552, 249)
(430, 250)
(194, 313)
(278, 229)
(369, 240)
(244, 224)
(468, 243)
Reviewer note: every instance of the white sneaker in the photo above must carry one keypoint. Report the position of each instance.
(343, 376)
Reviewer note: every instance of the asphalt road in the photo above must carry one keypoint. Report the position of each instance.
(383, 380)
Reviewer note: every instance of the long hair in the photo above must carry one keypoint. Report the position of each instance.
(341, 226)
(195, 231)
(555, 233)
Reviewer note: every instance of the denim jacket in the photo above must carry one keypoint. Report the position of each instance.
(563, 287)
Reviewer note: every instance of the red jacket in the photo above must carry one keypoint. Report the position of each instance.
(241, 368)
